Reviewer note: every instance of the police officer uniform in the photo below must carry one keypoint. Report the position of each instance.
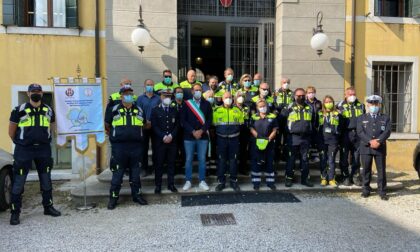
(162, 86)
(180, 150)
(315, 143)
(223, 87)
(125, 128)
(299, 127)
(270, 103)
(283, 99)
(373, 126)
(329, 132)
(165, 121)
(244, 139)
(32, 141)
(227, 122)
(249, 94)
(349, 142)
(262, 149)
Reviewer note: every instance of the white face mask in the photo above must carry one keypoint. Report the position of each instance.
(166, 101)
(240, 100)
(227, 101)
(264, 92)
(311, 96)
(351, 98)
(285, 86)
(263, 110)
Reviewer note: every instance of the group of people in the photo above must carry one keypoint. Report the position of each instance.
(239, 124)
(242, 124)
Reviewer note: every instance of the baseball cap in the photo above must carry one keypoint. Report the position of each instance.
(34, 87)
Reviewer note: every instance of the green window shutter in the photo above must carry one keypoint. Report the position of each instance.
(72, 17)
(415, 11)
(9, 12)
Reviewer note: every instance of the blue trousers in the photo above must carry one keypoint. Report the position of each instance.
(227, 153)
(23, 157)
(201, 147)
(262, 161)
(125, 157)
(350, 145)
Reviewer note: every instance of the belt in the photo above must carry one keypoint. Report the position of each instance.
(229, 136)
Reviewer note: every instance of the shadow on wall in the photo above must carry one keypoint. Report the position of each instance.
(126, 62)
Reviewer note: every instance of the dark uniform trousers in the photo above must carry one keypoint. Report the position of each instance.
(263, 161)
(244, 142)
(298, 144)
(350, 143)
(23, 157)
(380, 162)
(125, 156)
(327, 157)
(227, 151)
(166, 154)
(148, 136)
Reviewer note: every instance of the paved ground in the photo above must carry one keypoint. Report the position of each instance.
(322, 221)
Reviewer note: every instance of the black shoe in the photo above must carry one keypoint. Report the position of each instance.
(158, 190)
(365, 194)
(220, 187)
(347, 181)
(357, 180)
(384, 197)
(50, 210)
(288, 182)
(256, 187)
(139, 199)
(307, 183)
(112, 203)
(172, 188)
(14, 219)
(272, 187)
(235, 186)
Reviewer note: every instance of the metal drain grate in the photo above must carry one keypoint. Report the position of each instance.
(217, 219)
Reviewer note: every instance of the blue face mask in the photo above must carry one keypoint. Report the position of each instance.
(257, 83)
(167, 80)
(128, 98)
(247, 84)
(149, 89)
(229, 77)
(179, 96)
(197, 94)
(373, 109)
(211, 100)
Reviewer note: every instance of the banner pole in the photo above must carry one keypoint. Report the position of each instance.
(85, 206)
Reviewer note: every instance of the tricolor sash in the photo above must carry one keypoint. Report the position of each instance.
(196, 111)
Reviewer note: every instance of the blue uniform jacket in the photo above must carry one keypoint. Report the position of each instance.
(369, 128)
(165, 123)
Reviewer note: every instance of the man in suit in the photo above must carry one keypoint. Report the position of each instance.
(165, 121)
(196, 117)
(373, 128)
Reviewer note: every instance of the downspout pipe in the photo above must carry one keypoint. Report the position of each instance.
(353, 44)
(97, 50)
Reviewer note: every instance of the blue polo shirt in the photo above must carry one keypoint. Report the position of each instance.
(147, 104)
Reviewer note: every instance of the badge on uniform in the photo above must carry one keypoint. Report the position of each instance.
(383, 128)
(173, 120)
(270, 120)
(327, 130)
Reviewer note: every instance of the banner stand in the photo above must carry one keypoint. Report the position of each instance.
(85, 206)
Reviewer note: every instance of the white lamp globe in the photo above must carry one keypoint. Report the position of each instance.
(140, 37)
(319, 41)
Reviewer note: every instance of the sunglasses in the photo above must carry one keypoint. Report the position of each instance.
(167, 76)
(265, 89)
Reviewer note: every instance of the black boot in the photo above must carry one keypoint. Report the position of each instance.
(14, 219)
(112, 203)
(139, 199)
(220, 187)
(51, 211)
(235, 186)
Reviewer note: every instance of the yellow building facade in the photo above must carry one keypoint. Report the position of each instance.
(386, 62)
(53, 44)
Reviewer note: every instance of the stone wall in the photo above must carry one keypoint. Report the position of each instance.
(295, 58)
